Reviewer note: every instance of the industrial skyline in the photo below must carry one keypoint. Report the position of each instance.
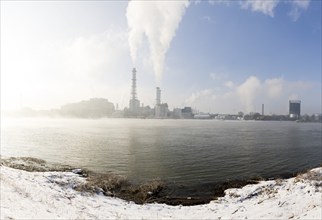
(135, 110)
(161, 110)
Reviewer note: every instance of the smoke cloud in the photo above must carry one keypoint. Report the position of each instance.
(274, 87)
(247, 92)
(158, 21)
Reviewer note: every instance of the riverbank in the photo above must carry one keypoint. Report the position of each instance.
(52, 195)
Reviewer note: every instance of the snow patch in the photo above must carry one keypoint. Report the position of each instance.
(51, 195)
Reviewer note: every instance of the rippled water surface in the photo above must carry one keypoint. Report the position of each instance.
(189, 152)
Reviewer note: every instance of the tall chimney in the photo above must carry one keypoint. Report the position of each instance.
(133, 92)
(158, 97)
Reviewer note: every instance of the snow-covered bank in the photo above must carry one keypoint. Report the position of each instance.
(50, 195)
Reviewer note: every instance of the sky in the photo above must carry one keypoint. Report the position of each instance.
(215, 56)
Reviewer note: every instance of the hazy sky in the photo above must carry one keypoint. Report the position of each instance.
(217, 56)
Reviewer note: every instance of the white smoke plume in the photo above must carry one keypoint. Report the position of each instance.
(247, 92)
(274, 87)
(158, 21)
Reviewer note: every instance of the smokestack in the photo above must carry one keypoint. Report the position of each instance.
(134, 102)
(158, 97)
(133, 92)
(262, 109)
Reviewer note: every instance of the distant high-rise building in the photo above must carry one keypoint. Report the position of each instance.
(134, 105)
(295, 108)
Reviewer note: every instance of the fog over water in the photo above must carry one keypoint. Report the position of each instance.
(189, 152)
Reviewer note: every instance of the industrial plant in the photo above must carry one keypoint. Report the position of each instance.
(160, 110)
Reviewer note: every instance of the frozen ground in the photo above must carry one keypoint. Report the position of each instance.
(50, 195)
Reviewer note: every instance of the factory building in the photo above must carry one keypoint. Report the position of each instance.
(177, 113)
(294, 108)
(187, 113)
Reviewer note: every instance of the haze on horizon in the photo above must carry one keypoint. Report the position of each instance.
(215, 56)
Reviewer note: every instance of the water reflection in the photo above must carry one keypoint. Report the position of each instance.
(182, 151)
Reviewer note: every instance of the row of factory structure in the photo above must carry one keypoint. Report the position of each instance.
(160, 110)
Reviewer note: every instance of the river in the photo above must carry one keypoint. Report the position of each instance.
(189, 152)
